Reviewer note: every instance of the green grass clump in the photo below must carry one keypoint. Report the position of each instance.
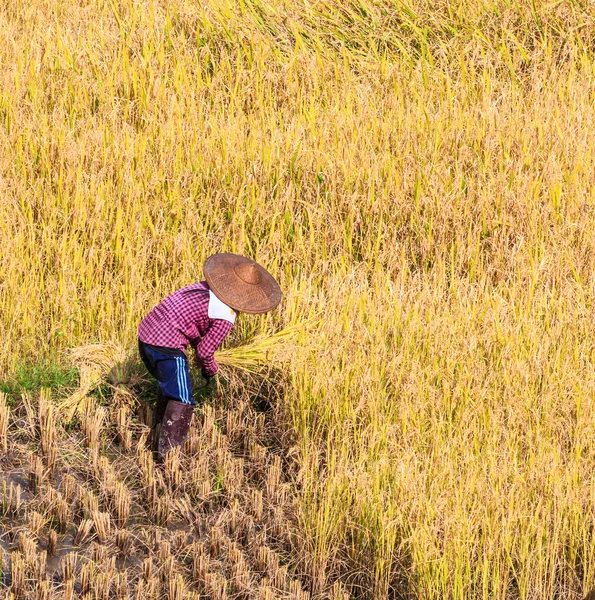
(32, 377)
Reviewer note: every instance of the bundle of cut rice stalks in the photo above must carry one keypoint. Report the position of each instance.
(97, 364)
(262, 350)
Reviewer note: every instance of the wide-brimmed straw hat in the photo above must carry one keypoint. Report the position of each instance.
(241, 283)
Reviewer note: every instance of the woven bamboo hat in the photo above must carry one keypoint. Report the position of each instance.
(242, 283)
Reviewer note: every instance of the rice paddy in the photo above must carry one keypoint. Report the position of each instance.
(419, 178)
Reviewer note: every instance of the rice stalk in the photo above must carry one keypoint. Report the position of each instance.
(4, 416)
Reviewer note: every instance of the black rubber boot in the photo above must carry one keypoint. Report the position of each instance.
(160, 407)
(174, 427)
(158, 413)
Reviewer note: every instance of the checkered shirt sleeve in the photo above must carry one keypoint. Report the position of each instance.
(182, 319)
(205, 348)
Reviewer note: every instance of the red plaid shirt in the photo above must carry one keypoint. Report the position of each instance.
(182, 319)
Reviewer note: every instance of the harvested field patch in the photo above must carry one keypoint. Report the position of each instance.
(86, 514)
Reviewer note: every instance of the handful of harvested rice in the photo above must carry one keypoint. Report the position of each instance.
(261, 349)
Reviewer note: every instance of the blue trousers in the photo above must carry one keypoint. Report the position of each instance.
(171, 371)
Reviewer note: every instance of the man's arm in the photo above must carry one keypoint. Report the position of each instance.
(205, 348)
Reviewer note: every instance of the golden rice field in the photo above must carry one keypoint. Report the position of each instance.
(419, 176)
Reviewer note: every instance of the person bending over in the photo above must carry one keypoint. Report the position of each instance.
(201, 316)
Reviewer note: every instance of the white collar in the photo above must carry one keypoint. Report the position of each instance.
(220, 310)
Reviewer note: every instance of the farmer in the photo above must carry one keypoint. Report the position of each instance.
(200, 315)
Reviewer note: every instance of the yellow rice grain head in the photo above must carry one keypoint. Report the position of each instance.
(263, 350)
